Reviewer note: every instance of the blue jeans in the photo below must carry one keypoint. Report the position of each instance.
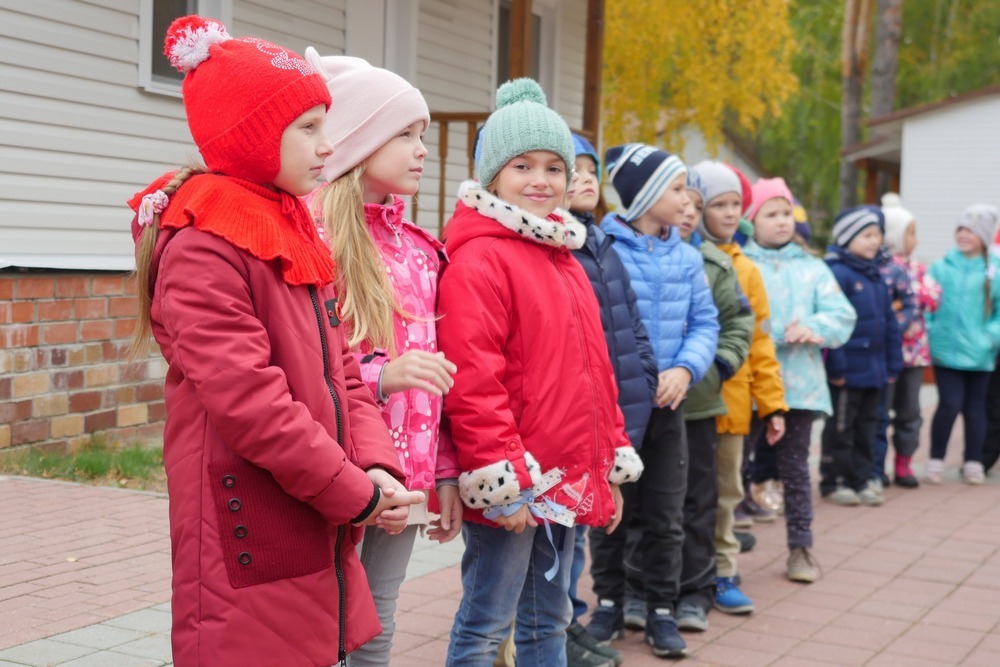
(579, 606)
(503, 575)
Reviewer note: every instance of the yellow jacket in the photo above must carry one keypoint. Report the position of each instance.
(758, 381)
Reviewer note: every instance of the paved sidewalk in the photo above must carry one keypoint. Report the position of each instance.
(84, 582)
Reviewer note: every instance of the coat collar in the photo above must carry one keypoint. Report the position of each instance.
(560, 230)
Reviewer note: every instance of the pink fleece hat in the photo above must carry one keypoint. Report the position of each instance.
(373, 106)
(768, 188)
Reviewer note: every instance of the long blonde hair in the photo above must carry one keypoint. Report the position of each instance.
(367, 299)
(144, 268)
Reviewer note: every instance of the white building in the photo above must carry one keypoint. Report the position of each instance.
(943, 156)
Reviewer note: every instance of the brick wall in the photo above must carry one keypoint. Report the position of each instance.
(64, 376)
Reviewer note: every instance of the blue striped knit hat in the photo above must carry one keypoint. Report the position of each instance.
(852, 221)
(641, 174)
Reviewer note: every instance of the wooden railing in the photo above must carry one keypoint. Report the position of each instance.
(472, 120)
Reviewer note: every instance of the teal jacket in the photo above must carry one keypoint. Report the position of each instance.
(962, 337)
(802, 287)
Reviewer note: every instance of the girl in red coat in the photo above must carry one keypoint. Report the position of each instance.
(533, 413)
(273, 445)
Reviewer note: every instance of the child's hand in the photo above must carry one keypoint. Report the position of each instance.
(775, 429)
(616, 518)
(392, 509)
(796, 333)
(417, 369)
(517, 521)
(448, 526)
(838, 382)
(673, 387)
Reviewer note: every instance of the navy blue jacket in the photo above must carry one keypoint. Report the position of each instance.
(628, 344)
(874, 353)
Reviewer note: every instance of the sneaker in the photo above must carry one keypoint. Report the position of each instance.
(729, 598)
(871, 495)
(663, 636)
(843, 496)
(904, 476)
(691, 616)
(747, 540)
(973, 473)
(801, 567)
(583, 644)
(935, 472)
(758, 513)
(741, 519)
(635, 613)
(607, 622)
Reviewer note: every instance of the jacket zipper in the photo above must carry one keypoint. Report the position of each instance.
(586, 362)
(338, 560)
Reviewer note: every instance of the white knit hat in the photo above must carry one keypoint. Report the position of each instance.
(371, 106)
(897, 220)
(981, 220)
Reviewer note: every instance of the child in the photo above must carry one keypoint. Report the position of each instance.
(858, 370)
(631, 357)
(808, 311)
(756, 382)
(273, 444)
(389, 275)
(703, 405)
(965, 336)
(913, 283)
(676, 307)
(533, 410)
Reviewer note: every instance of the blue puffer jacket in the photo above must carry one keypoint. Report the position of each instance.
(962, 336)
(628, 344)
(874, 352)
(674, 299)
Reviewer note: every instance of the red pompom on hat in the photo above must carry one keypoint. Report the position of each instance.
(747, 190)
(240, 95)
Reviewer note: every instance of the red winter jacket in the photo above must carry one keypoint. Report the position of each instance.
(534, 383)
(262, 487)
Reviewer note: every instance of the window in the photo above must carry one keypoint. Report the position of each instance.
(156, 74)
(503, 44)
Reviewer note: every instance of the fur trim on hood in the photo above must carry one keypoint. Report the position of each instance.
(570, 234)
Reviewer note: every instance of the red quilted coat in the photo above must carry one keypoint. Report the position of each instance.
(535, 389)
(269, 430)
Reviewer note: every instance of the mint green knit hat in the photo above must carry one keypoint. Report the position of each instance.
(522, 123)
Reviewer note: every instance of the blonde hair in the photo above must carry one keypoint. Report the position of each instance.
(144, 268)
(367, 299)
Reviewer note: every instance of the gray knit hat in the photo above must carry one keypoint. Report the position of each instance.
(522, 123)
(981, 220)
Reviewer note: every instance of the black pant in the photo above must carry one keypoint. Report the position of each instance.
(991, 445)
(791, 458)
(965, 392)
(906, 421)
(700, 502)
(657, 517)
(847, 439)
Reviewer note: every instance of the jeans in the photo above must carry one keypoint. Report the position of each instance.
(580, 544)
(991, 445)
(698, 554)
(791, 455)
(503, 575)
(384, 558)
(965, 392)
(847, 439)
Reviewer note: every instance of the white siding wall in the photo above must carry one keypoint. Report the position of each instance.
(455, 72)
(950, 160)
(78, 136)
(572, 40)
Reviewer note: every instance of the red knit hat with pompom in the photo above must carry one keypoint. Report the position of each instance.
(240, 95)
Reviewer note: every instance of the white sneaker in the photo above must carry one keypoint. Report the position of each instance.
(973, 472)
(935, 472)
(871, 495)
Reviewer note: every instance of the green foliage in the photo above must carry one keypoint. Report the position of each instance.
(133, 465)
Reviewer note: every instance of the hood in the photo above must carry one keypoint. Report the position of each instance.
(391, 216)
(479, 213)
(790, 250)
(627, 235)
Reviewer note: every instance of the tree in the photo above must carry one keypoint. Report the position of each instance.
(670, 64)
(854, 42)
(888, 35)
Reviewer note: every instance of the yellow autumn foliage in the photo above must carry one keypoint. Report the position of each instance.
(675, 63)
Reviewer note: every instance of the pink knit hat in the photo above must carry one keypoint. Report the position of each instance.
(373, 106)
(768, 188)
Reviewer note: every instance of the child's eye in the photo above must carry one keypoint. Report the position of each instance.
(406, 134)
(555, 169)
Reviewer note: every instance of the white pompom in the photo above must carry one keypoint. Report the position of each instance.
(891, 200)
(187, 44)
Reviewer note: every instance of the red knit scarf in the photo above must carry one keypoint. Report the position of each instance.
(267, 224)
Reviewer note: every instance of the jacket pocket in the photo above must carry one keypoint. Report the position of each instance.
(266, 534)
